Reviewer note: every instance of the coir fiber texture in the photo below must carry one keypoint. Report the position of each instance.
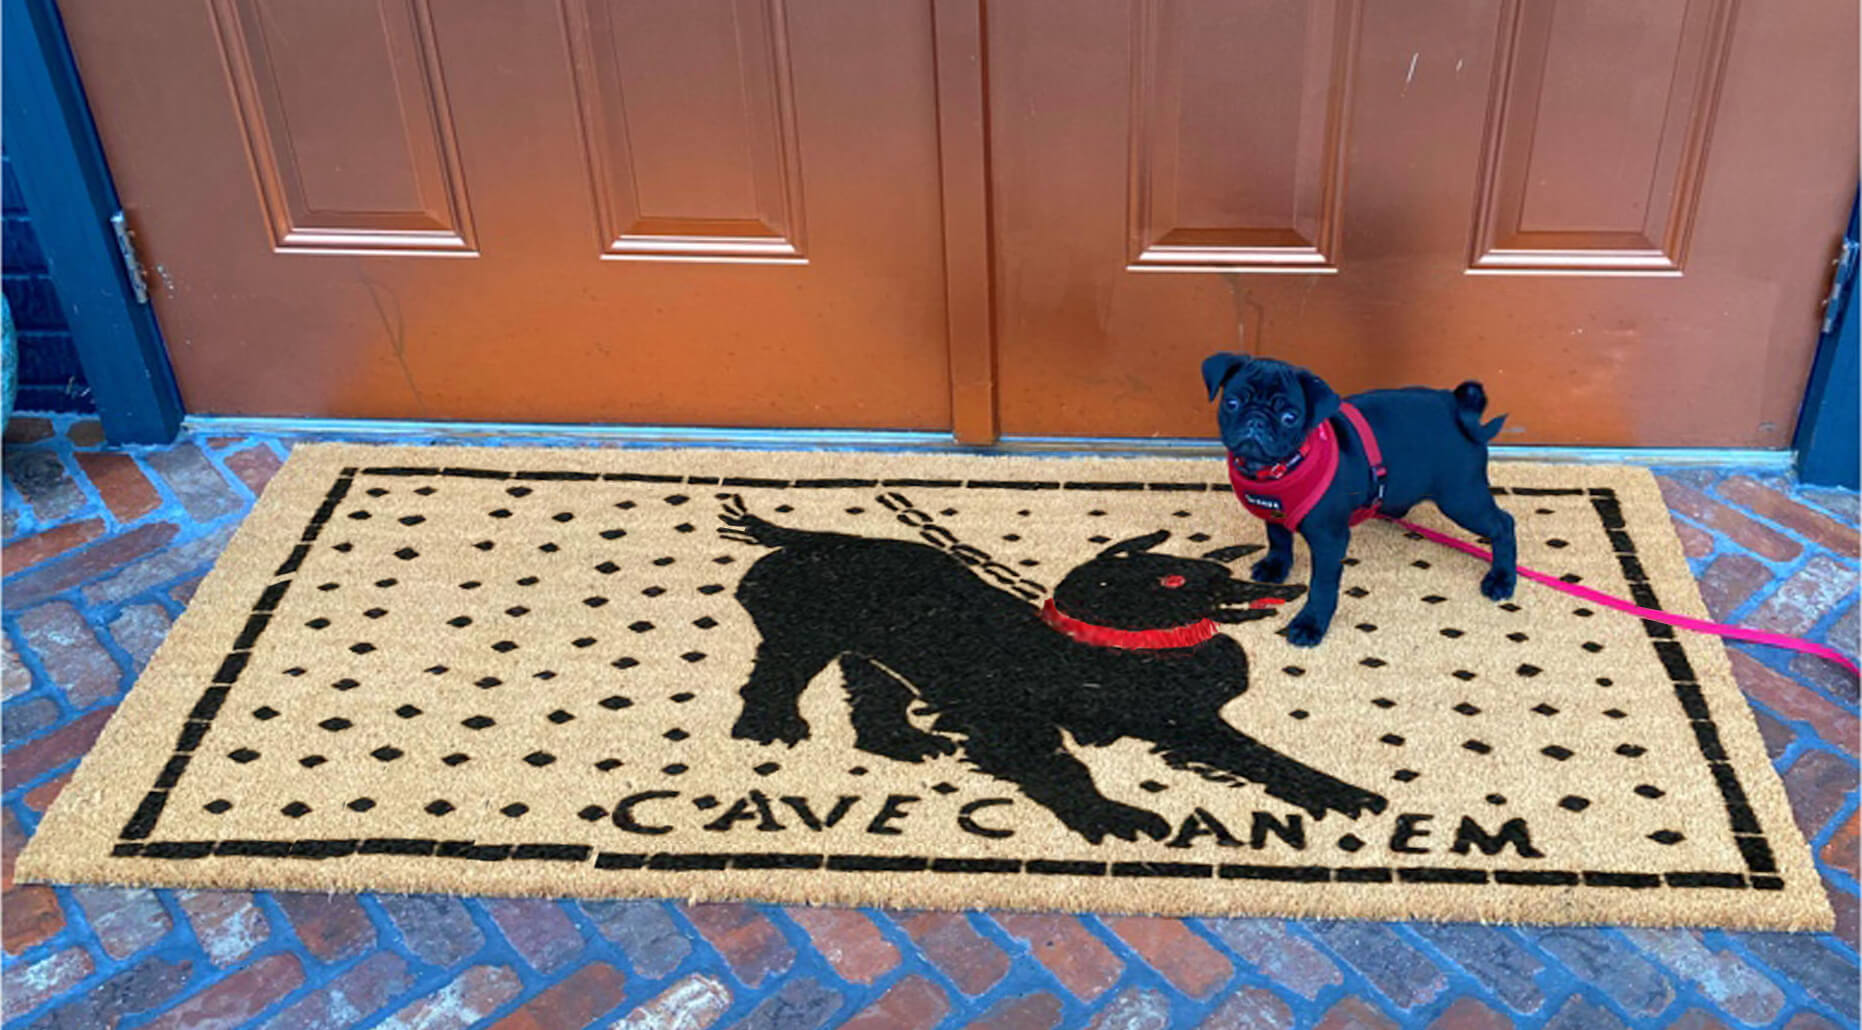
(817, 677)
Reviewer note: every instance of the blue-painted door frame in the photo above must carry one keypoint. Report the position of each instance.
(61, 171)
(1827, 426)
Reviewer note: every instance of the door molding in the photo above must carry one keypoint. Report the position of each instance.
(61, 170)
(961, 56)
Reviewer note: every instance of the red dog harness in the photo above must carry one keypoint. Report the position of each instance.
(1285, 492)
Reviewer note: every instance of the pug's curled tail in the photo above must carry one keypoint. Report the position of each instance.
(745, 528)
(1470, 401)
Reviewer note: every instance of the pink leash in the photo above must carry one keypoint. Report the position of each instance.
(1594, 597)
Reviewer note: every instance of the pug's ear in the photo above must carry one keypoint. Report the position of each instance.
(1218, 367)
(1321, 402)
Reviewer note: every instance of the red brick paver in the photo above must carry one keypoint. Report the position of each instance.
(35, 758)
(51, 543)
(467, 999)
(1817, 785)
(745, 937)
(1081, 963)
(1285, 958)
(1801, 518)
(68, 571)
(1806, 597)
(1173, 949)
(255, 466)
(1470, 1014)
(120, 481)
(576, 1001)
(1792, 700)
(972, 962)
(125, 921)
(235, 1000)
(332, 926)
(1040, 1011)
(228, 924)
(1355, 1014)
(75, 658)
(849, 941)
(203, 491)
(27, 429)
(538, 928)
(914, 1003)
(26, 986)
(1741, 529)
(1249, 1009)
(1731, 581)
(29, 915)
(354, 996)
(693, 1003)
(41, 797)
(1840, 852)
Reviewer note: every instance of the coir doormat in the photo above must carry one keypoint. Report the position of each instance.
(814, 677)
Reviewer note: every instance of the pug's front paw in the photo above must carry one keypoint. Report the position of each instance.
(1306, 630)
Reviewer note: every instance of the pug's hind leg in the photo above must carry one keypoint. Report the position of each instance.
(1480, 515)
(880, 704)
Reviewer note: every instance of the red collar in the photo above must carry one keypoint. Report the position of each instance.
(1286, 492)
(1127, 639)
(1319, 437)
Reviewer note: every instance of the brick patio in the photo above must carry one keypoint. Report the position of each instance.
(103, 550)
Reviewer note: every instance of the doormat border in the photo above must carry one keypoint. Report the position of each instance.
(1761, 872)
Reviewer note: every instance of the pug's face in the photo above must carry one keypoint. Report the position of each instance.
(1266, 407)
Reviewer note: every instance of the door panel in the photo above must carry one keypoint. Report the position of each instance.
(411, 208)
(1595, 206)
(1238, 113)
(1597, 144)
(346, 119)
(691, 132)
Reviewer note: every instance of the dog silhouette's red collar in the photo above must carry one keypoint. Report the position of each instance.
(1127, 639)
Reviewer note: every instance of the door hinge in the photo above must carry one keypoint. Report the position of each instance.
(1840, 279)
(132, 261)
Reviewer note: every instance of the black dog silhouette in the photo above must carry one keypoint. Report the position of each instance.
(909, 624)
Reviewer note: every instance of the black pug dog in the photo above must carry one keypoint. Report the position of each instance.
(910, 624)
(1434, 448)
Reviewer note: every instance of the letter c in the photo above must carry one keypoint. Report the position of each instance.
(624, 812)
(969, 825)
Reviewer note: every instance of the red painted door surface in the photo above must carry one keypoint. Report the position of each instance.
(1027, 215)
(722, 212)
(1619, 214)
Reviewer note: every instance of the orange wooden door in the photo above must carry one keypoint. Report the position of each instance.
(1618, 213)
(718, 212)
